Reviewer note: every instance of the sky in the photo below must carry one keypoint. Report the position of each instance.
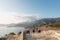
(14, 11)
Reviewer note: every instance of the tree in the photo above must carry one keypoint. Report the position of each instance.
(11, 33)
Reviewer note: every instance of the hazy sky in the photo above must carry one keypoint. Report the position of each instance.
(14, 11)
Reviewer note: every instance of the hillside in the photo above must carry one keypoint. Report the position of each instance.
(53, 22)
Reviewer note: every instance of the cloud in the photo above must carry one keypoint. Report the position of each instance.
(14, 17)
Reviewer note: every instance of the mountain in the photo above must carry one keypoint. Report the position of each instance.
(36, 23)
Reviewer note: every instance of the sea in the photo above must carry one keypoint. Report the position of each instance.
(6, 30)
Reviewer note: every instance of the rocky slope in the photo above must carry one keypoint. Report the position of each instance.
(46, 35)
